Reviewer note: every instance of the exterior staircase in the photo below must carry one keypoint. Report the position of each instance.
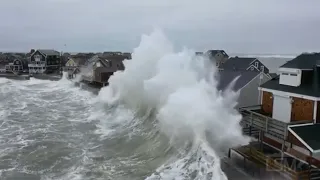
(315, 174)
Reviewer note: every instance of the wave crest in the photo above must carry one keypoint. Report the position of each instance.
(180, 88)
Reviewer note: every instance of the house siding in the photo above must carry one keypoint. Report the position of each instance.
(249, 95)
(267, 102)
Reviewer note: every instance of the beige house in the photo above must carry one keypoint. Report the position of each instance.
(72, 66)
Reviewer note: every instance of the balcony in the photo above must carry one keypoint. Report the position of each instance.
(253, 116)
(37, 65)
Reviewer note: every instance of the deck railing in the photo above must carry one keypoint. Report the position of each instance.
(273, 165)
(265, 123)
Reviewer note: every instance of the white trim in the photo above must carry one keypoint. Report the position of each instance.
(299, 125)
(289, 94)
(252, 66)
(254, 61)
(301, 140)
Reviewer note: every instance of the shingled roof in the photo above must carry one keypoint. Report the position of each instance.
(49, 52)
(309, 135)
(226, 77)
(305, 61)
(238, 63)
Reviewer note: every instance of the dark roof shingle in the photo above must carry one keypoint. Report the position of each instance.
(237, 63)
(49, 52)
(226, 77)
(303, 61)
(310, 134)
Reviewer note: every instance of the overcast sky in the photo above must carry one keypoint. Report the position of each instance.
(246, 26)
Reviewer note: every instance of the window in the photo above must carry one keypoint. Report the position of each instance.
(256, 64)
(285, 74)
(37, 57)
(252, 68)
(293, 74)
(262, 68)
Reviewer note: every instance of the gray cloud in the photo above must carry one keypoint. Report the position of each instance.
(251, 26)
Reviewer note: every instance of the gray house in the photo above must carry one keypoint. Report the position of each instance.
(247, 83)
(44, 61)
(244, 64)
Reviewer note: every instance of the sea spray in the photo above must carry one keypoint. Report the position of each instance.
(181, 89)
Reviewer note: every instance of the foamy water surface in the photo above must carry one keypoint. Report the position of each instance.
(160, 119)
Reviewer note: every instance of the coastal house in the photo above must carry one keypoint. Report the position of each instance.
(98, 69)
(17, 66)
(244, 64)
(247, 83)
(217, 56)
(288, 118)
(73, 65)
(44, 61)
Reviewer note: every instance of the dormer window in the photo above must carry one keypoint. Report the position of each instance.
(262, 68)
(256, 64)
(252, 68)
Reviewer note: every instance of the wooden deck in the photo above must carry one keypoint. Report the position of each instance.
(266, 159)
(263, 122)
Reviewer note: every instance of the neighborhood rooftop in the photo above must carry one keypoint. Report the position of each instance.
(309, 79)
(304, 61)
(49, 52)
(237, 62)
(226, 77)
(308, 134)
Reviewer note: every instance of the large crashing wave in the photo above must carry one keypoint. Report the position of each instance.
(180, 88)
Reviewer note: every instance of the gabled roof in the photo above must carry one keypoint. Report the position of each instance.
(49, 52)
(308, 135)
(240, 63)
(226, 77)
(304, 61)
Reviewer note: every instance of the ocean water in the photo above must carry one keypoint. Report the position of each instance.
(160, 119)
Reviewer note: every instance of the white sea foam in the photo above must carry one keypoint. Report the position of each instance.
(182, 89)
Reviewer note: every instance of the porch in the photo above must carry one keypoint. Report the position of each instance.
(256, 118)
